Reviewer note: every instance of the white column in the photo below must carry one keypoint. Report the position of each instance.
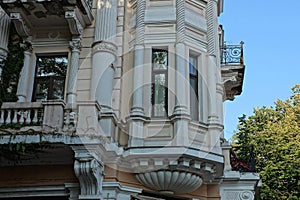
(4, 34)
(75, 46)
(213, 57)
(104, 53)
(136, 127)
(213, 72)
(22, 91)
(182, 78)
(137, 100)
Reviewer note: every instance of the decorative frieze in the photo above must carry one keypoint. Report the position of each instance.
(104, 47)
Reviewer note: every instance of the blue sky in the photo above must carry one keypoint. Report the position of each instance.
(271, 32)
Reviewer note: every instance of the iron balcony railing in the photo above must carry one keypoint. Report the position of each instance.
(242, 159)
(232, 54)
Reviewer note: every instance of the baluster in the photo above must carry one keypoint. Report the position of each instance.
(15, 118)
(41, 117)
(27, 116)
(8, 118)
(75, 119)
(35, 116)
(21, 113)
(2, 117)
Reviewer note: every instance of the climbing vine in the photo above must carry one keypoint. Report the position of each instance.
(11, 68)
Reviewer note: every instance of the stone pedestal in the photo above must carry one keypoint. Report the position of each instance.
(239, 186)
(53, 118)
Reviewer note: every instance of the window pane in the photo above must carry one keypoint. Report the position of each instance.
(58, 89)
(194, 105)
(194, 98)
(193, 65)
(159, 95)
(160, 60)
(52, 66)
(41, 90)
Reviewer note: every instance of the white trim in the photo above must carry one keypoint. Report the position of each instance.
(36, 191)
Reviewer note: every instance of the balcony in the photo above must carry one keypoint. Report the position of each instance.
(233, 69)
(38, 117)
(49, 19)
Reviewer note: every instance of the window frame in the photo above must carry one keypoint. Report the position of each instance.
(155, 72)
(194, 108)
(50, 78)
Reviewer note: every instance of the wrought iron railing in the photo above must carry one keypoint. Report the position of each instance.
(232, 54)
(242, 159)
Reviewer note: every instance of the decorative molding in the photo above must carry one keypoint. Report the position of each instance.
(246, 195)
(45, 191)
(21, 26)
(76, 27)
(104, 46)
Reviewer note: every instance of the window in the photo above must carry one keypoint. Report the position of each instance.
(159, 83)
(194, 107)
(49, 82)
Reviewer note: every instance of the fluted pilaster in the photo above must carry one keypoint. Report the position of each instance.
(4, 33)
(106, 20)
(212, 27)
(75, 46)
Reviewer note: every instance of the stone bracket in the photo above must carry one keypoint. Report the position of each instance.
(21, 26)
(76, 27)
(89, 172)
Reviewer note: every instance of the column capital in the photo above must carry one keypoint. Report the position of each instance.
(75, 44)
(26, 46)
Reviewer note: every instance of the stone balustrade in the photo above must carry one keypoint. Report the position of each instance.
(50, 115)
(21, 113)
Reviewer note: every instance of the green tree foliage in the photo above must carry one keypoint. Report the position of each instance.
(274, 133)
(11, 68)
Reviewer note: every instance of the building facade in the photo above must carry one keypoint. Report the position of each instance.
(120, 99)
